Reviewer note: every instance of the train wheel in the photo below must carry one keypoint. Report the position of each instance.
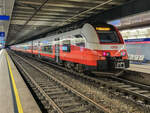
(79, 68)
(65, 64)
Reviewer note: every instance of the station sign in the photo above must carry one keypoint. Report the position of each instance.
(2, 34)
(2, 39)
(4, 17)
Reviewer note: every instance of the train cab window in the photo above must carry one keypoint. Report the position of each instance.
(66, 46)
(78, 36)
(79, 40)
(108, 37)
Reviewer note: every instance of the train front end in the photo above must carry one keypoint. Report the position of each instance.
(112, 48)
(109, 47)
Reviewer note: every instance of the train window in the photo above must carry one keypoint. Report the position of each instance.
(48, 49)
(108, 37)
(79, 40)
(66, 46)
(81, 44)
(43, 48)
(29, 47)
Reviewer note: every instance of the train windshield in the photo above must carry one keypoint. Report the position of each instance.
(108, 37)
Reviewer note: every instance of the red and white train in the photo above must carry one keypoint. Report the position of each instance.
(92, 48)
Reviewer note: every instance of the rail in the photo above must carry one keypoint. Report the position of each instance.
(99, 108)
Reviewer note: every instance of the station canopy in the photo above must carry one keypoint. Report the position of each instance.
(30, 18)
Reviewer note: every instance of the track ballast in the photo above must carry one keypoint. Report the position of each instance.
(137, 92)
(54, 94)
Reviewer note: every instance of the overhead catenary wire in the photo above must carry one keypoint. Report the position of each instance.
(35, 12)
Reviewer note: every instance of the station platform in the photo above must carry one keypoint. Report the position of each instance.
(140, 68)
(15, 96)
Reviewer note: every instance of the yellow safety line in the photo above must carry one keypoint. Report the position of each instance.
(19, 106)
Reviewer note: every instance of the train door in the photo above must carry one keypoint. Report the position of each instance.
(32, 47)
(39, 48)
(57, 51)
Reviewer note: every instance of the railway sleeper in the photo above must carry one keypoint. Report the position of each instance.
(60, 102)
(60, 96)
(51, 89)
(137, 96)
(142, 91)
(76, 109)
(124, 86)
(133, 88)
(66, 105)
(57, 93)
(148, 95)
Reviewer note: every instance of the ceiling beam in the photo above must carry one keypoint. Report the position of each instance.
(61, 3)
(47, 19)
(56, 4)
(48, 10)
(39, 19)
(39, 23)
(41, 16)
(43, 13)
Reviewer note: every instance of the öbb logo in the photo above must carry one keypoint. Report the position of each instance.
(114, 47)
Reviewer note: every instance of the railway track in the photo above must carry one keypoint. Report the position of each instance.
(130, 91)
(137, 92)
(55, 95)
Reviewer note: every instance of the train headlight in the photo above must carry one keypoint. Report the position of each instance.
(123, 53)
(106, 54)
